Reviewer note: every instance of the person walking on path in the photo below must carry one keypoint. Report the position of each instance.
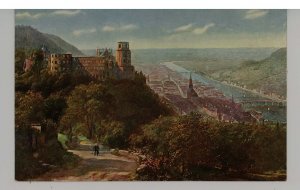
(97, 149)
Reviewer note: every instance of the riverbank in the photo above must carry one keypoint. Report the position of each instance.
(222, 82)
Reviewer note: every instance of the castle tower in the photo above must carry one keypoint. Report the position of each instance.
(60, 62)
(123, 54)
(98, 52)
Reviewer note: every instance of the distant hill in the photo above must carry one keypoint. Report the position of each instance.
(28, 38)
(268, 75)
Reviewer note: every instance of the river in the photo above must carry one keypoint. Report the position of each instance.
(272, 113)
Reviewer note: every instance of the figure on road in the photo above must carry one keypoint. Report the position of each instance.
(96, 150)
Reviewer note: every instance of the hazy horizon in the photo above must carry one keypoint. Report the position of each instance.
(189, 48)
(161, 29)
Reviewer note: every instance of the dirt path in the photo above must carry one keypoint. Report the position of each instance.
(105, 167)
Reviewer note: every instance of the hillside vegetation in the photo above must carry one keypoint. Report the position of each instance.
(29, 38)
(264, 70)
(268, 75)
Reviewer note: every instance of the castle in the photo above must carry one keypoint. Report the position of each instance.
(102, 66)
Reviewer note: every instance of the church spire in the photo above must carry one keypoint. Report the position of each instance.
(190, 91)
(190, 81)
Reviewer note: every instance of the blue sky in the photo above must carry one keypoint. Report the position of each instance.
(88, 29)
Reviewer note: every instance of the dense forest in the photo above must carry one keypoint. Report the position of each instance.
(127, 114)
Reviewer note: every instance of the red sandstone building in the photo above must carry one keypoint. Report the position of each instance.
(102, 66)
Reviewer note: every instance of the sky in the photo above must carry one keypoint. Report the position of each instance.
(90, 29)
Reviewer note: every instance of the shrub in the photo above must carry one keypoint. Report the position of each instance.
(194, 147)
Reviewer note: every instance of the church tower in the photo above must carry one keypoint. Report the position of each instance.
(190, 82)
(123, 54)
(190, 91)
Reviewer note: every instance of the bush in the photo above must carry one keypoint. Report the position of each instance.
(31, 162)
(114, 135)
(193, 147)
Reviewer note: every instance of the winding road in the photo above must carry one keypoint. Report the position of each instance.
(105, 167)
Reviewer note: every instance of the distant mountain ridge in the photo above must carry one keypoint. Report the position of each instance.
(267, 75)
(27, 37)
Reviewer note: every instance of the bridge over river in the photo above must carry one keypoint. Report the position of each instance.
(262, 102)
(271, 109)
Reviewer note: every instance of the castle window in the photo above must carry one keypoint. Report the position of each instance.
(119, 45)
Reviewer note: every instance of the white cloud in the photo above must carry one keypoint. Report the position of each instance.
(108, 29)
(127, 27)
(27, 15)
(202, 30)
(84, 31)
(66, 12)
(184, 28)
(254, 14)
(191, 28)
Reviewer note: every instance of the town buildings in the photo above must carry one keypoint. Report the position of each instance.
(185, 96)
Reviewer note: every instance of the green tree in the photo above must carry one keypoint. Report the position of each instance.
(89, 105)
(20, 57)
(29, 108)
(190, 142)
(38, 63)
(136, 103)
(232, 144)
(195, 147)
(54, 107)
(112, 134)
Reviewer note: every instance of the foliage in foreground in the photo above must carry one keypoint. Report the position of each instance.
(31, 162)
(192, 147)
